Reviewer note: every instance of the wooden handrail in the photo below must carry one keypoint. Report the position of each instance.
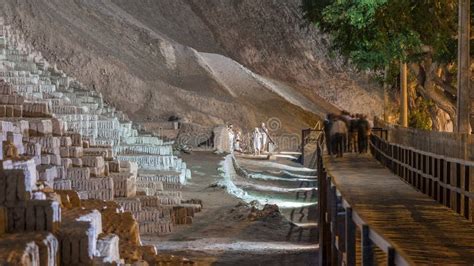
(447, 180)
(416, 172)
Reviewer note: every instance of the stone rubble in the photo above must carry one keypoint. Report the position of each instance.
(79, 182)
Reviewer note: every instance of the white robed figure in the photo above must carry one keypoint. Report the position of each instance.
(238, 139)
(230, 128)
(257, 141)
(264, 132)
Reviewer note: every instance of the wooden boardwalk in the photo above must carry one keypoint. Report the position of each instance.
(421, 230)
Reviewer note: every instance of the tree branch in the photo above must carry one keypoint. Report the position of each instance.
(439, 99)
(444, 85)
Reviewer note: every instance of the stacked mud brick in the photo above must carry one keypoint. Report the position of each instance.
(78, 181)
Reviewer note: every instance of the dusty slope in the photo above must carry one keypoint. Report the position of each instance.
(267, 37)
(150, 57)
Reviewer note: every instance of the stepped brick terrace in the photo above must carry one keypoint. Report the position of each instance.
(79, 182)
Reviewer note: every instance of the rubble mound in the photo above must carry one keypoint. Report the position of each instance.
(269, 212)
(251, 212)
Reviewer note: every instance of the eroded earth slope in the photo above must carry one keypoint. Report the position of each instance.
(210, 61)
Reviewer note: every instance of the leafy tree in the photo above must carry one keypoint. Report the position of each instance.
(376, 34)
(419, 116)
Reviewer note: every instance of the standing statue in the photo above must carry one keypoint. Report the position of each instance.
(238, 140)
(257, 141)
(230, 129)
(265, 137)
(222, 139)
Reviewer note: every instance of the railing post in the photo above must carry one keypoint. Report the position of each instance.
(391, 256)
(325, 233)
(350, 239)
(366, 243)
(469, 186)
(333, 223)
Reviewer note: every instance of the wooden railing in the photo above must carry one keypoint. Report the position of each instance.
(450, 181)
(339, 225)
(460, 146)
(310, 135)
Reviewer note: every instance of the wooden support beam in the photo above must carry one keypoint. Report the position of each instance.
(386, 98)
(464, 94)
(404, 95)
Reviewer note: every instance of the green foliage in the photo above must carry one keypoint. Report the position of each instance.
(376, 33)
(419, 116)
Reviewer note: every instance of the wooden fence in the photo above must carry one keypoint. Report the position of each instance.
(345, 238)
(450, 181)
(460, 146)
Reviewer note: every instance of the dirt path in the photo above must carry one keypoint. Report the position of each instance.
(222, 234)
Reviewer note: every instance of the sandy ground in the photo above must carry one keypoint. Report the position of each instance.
(223, 235)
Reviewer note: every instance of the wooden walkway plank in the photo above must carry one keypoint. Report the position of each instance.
(414, 224)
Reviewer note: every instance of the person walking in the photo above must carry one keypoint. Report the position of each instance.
(363, 132)
(338, 135)
(347, 118)
(353, 139)
(327, 132)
